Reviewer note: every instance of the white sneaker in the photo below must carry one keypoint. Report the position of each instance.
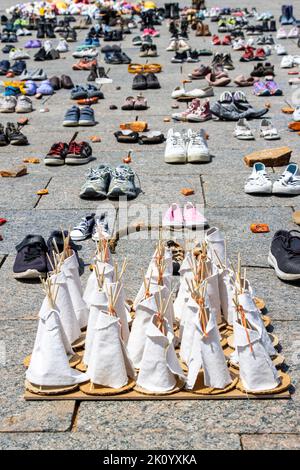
(8, 104)
(287, 62)
(289, 181)
(175, 151)
(258, 181)
(294, 33)
(243, 131)
(88, 53)
(24, 104)
(197, 148)
(281, 33)
(280, 50)
(18, 54)
(62, 46)
(296, 114)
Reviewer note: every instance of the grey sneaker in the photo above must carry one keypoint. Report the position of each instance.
(101, 227)
(122, 183)
(97, 183)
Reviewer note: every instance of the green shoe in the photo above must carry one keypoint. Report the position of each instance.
(122, 183)
(205, 52)
(97, 183)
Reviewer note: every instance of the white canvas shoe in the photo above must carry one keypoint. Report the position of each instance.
(259, 181)
(175, 151)
(197, 148)
(289, 181)
(88, 53)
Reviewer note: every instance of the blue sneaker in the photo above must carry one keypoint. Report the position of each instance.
(87, 117)
(95, 42)
(71, 118)
(88, 41)
(4, 67)
(18, 67)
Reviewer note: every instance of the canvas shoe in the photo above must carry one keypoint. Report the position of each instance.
(122, 183)
(18, 54)
(24, 104)
(57, 154)
(8, 104)
(71, 117)
(86, 53)
(14, 135)
(78, 153)
(84, 229)
(259, 181)
(287, 62)
(87, 117)
(3, 138)
(175, 151)
(30, 262)
(183, 116)
(201, 113)
(289, 182)
(101, 227)
(97, 183)
(197, 148)
(192, 217)
(281, 33)
(173, 217)
(243, 131)
(293, 33)
(284, 255)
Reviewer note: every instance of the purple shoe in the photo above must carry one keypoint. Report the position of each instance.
(45, 88)
(260, 89)
(273, 88)
(28, 44)
(30, 88)
(36, 43)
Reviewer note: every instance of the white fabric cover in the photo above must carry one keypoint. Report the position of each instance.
(70, 270)
(183, 292)
(206, 353)
(109, 364)
(227, 292)
(65, 307)
(216, 244)
(212, 283)
(120, 306)
(92, 284)
(99, 302)
(49, 364)
(137, 338)
(257, 371)
(159, 366)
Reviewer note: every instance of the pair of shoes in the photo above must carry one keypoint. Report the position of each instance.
(292, 34)
(36, 74)
(115, 35)
(62, 46)
(243, 130)
(63, 82)
(151, 32)
(226, 41)
(265, 40)
(219, 77)
(116, 58)
(89, 53)
(12, 135)
(200, 72)
(75, 116)
(267, 88)
(74, 153)
(139, 103)
(11, 71)
(12, 37)
(147, 50)
(181, 57)
(99, 75)
(195, 112)
(263, 70)
(33, 44)
(186, 147)
(94, 226)
(147, 81)
(249, 54)
(34, 257)
(105, 181)
(178, 45)
(243, 81)
(128, 136)
(289, 61)
(284, 255)
(43, 54)
(82, 92)
(18, 54)
(190, 217)
(44, 89)
(85, 64)
(234, 106)
(223, 59)
(180, 94)
(92, 41)
(288, 182)
(10, 104)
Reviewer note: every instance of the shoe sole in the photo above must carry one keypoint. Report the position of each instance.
(73, 160)
(7, 110)
(29, 274)
(91, 194)
(70, 123)
(280, 274)
(175, 159)
(199, 159)
(23, 111)
(86, 123)
(54, 162)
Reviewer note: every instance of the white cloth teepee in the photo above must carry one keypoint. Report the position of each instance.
(257, 371)
(227, 292)
(216, 246)
(109, 364)
(120, 306)
(183, 294)
(207, 354)
(187, 330)
(92, 284)
(213, 294)
(99, 302)
(65, 307)
(137, 338)
(159, 367)
(49, 364)
(70, 270)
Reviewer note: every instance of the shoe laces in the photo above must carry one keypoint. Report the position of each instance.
(177, 141)
(75, 147)
(57, 149)
(197, 139)
(96, 173)
(123, 174)
(33, 252)
(82, 226)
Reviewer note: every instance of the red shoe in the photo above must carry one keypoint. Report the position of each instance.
(227, 40)
(216, 40)
(260, 54)
(248, 54)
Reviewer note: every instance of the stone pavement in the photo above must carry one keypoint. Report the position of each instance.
(263, 424)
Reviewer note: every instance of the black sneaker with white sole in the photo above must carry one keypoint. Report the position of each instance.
(101, 227)
(284, 255)
(84, 229)
(14, 135)
(78, 153)
(31, 262)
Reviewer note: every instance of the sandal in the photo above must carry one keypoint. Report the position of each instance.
(268, 131)
(153, 137)
(126, 136)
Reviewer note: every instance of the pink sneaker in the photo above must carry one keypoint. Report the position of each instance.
(147, 32)
(153, 32)
(192, 217)
(173, 217)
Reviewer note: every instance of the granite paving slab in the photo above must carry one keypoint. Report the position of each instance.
(23, 195)
(271, 442)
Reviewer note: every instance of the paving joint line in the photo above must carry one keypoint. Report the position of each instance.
(40, 197)
(202, 191)
(74, 418)
(3, 260)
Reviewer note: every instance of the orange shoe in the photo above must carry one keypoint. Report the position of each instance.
(85, 64)
(88, 101)
(294, 126)
(135, 126)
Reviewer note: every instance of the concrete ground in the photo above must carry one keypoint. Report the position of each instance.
(261, 424)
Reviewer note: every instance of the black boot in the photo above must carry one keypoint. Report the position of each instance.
(49, 31)
(167, 10)
(41, 31)
(265, 26)
(175, 11)
(272, 27)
